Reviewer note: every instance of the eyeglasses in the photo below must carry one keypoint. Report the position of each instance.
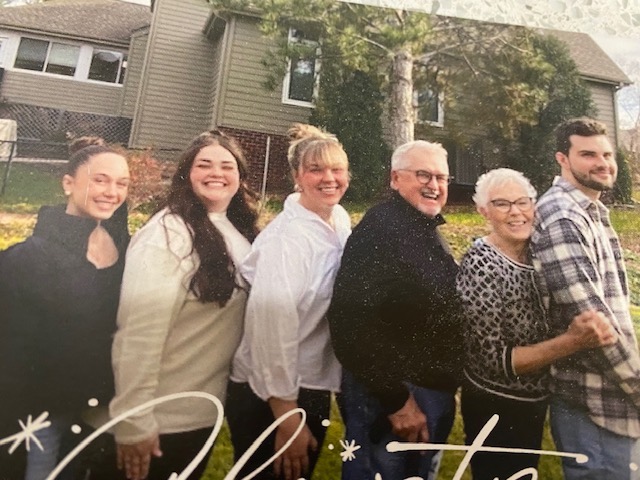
(425, 177)
(524, 204)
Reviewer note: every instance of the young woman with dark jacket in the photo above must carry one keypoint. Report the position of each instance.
(59, 294)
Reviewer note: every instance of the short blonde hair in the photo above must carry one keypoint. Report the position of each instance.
(496, 178)
(309, 143)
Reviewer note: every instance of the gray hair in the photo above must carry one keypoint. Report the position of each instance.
(398, 157)
(496, 178)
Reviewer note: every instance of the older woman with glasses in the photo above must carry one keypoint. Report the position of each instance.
(507, 344)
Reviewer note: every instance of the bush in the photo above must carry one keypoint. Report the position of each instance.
(149, 180)
(623, 189)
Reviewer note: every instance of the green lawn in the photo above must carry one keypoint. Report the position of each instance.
(31, 186)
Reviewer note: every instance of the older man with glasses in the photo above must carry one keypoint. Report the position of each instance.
(395, 322)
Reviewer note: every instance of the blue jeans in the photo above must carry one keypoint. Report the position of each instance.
(40, 463)
(360, 412)
(610, 455)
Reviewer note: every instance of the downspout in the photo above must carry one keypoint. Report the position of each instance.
(265, 171)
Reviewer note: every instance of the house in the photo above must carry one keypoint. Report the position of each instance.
(189, 70)
(64, 69)
(202, 71)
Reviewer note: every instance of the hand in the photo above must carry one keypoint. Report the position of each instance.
(294, 462)
(136, 458)
(410, 422)
(591, 329)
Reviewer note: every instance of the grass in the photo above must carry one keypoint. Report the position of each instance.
(31, 186)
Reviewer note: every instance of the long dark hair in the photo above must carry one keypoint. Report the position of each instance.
(214, 280)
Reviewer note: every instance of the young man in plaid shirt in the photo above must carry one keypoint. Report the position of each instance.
(595, 408)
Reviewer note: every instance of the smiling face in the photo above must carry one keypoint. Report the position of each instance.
(590, 164)
(323, 181)
(215, 177)
(428, 198)
(515, 225)
(98, 187)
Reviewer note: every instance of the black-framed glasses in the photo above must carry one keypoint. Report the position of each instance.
(425, 176)
(524, 204)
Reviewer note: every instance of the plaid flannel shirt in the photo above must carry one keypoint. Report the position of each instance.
(578, 259)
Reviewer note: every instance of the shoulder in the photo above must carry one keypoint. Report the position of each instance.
(285, 232)
(556, 204)
(27, 261)
(480, 259)
(383, 217)
(164, 230)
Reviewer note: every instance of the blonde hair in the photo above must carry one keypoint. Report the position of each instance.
(309, 144)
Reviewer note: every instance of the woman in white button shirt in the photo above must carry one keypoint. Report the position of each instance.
(285, 359)
(181, 309)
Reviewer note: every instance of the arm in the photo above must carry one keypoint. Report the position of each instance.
(153, 290)
(294, 462)
(564, 259)
(272, 321)
(364, 343)
(589, 329)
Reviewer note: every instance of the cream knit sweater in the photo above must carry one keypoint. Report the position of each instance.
(167, 341)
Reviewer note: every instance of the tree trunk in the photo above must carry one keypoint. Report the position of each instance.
(401, 102)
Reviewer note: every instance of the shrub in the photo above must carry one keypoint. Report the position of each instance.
(623, 189)
(149, 179)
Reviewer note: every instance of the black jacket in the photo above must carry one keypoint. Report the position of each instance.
(57, 317)
(395, 314)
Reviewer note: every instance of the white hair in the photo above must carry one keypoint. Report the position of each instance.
(398, 157)
(496, 178)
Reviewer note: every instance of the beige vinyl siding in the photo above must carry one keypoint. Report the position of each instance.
(603, 97)
(216, 77)
(60, 92)
(135, 62)
(174, 103)
(244, 102)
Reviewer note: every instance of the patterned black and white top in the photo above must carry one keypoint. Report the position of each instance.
(502, 310)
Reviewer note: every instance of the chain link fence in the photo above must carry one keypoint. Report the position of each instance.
(45, 132)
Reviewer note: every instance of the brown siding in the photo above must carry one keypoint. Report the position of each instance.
(134, 72)
(63, 93)
(174, 103)
(244, 102)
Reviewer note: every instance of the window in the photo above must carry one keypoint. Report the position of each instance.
(107, 66)
(50, 57)
(428, 107)
(301, 79)
(82, 62)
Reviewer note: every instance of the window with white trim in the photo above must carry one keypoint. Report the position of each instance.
(427, 104)
(107, 66)
(300, 81)
(79, 62)
(50, 57)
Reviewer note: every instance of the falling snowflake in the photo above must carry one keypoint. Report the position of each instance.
(27, 433)
(348, 450)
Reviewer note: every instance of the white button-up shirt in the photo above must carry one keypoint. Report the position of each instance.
(291, 268)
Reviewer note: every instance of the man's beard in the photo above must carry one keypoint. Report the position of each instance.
(586, 181)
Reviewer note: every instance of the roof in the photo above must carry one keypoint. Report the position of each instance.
(591, 60)
(110, 21)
